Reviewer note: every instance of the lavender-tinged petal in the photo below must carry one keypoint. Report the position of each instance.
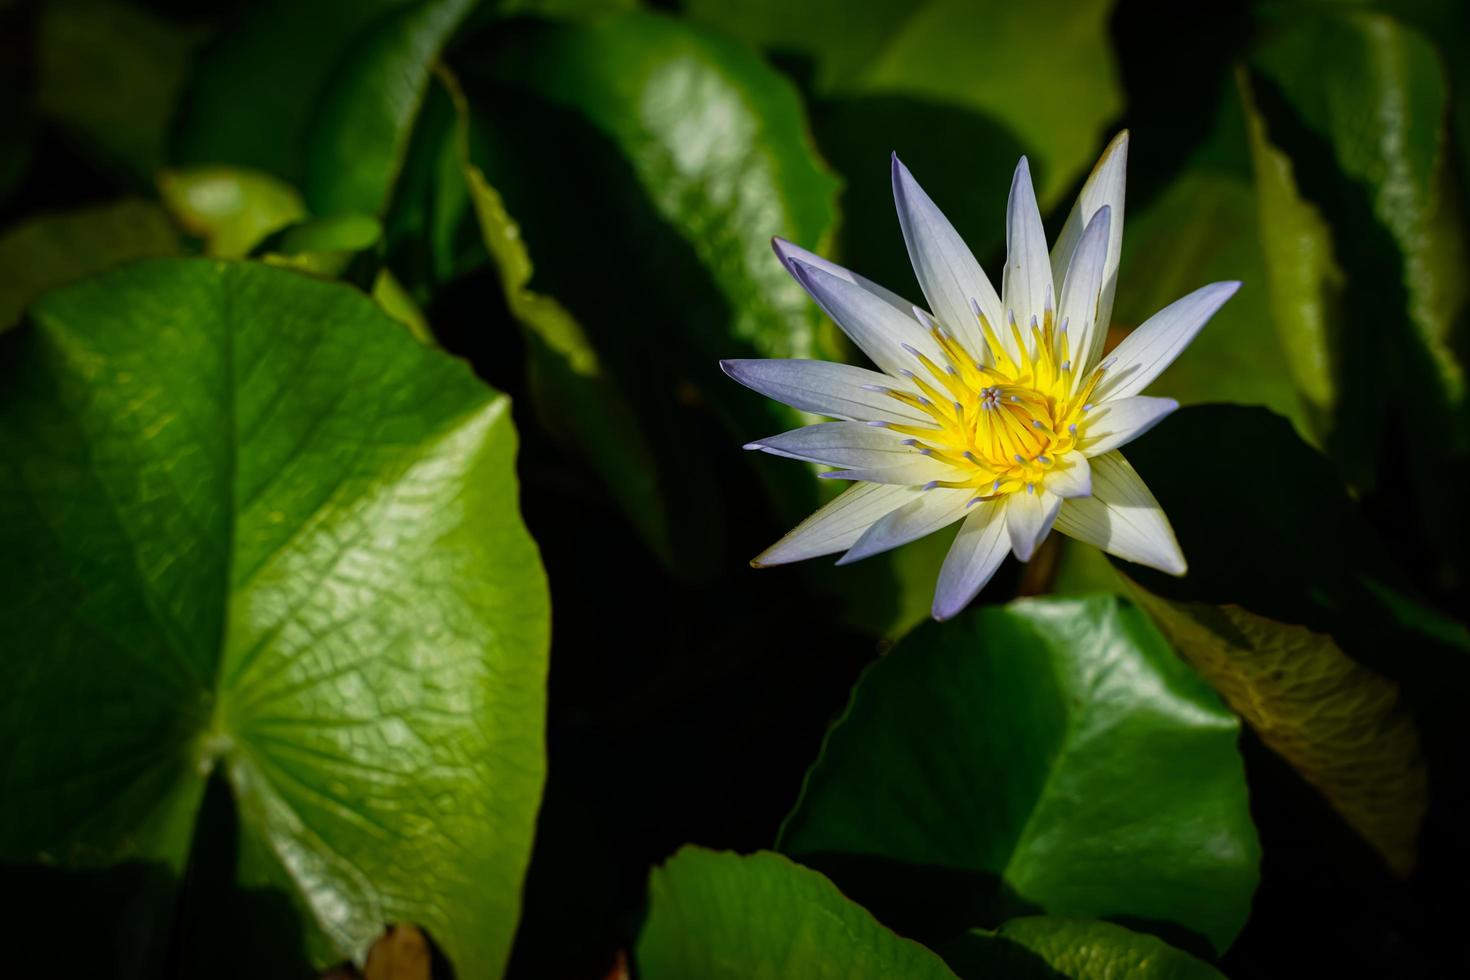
(839, 444)
(789, 253)
(826, 388)
(977, 552)
(1115, 423)
(1122, 518)
(1029, 517)
(915, 471)
(877, 328)
(1081, 292)
(1104, 186)
(837, 525)
(946, 269)
(1146, 352)
(1027, 281)
(933, 510)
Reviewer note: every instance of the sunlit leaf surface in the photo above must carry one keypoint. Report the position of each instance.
(255, 526)
(762, 917)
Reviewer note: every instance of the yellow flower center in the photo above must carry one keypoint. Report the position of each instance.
(1002, 422)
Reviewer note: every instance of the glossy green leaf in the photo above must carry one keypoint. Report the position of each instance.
(255, 527)
(1353, 155)
(648, 164)
(366, 114)
(1048, 755)
(571, 379)
(714, 915)
(717, 143)
(56, 249)
(1200, 229)
(230, 208)
(251, 98)
(1044, 70)
(1078, 949)
(111, 73)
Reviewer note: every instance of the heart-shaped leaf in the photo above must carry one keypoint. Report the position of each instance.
(1049, 755)
(252, 525)
(716, 915)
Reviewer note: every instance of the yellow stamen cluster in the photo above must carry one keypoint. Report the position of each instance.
(1001, 422)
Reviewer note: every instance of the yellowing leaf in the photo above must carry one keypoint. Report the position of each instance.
(1339, 724)
(231, 208)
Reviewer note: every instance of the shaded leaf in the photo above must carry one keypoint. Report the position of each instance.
(648, 164)
(568, 371)
(1350, 136)
(1340, 725)
(251, 97)
(257, 528)
(1293, 610)
(365, 115)
(1043, 69)
(111, 73)
(714, 914)
(1201, 228)
(1078, 949)
(1048, 754)
(56, 249)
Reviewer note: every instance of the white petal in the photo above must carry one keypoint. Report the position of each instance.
(838, 524)
(788, 253)
(977, 552)
(1071, 477)
(1119, 421)
(1122, 518)
(1144, 353)
(1029, 517)
(879, 330)
(1105, 186)
(915, 472)
(1027, 283)
(839, 444)
(839, 390)
(1082, 291)
(947, 271)
(935, 509)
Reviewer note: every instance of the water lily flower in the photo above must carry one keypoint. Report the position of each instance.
(994, 411)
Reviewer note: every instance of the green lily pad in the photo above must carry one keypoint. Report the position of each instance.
(1047, 755)
(716, 915)
(1077, 949)
(254, 527)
